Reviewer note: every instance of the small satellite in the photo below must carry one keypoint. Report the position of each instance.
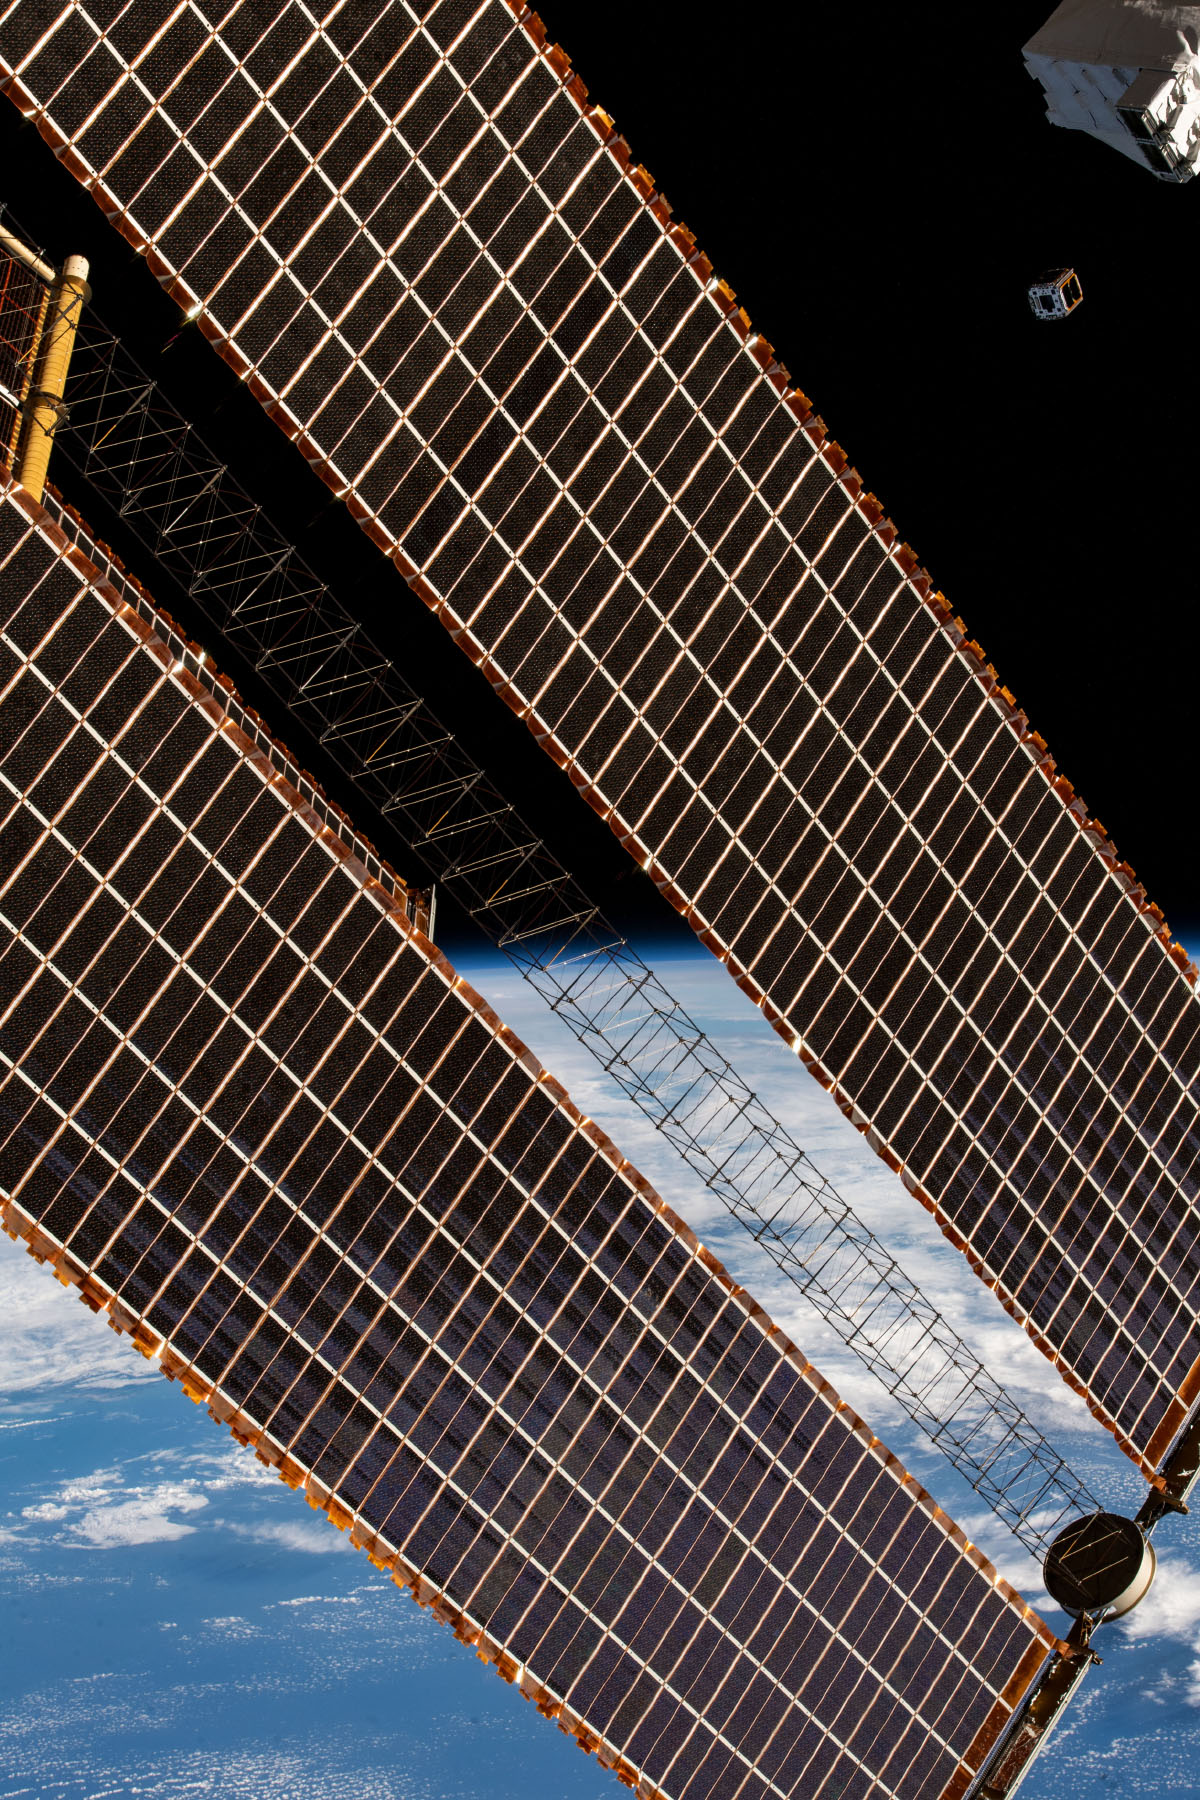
(1056, 294)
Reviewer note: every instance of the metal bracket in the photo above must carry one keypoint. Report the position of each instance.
(1010, 1762)
(45, 398)
(1177, 1478)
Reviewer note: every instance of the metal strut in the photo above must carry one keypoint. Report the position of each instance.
(205, 532)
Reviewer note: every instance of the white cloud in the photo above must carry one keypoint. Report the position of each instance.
(50, 1340)
(1171, 1608)
(46, 1512)
(317, 1538)
(144, 1519)
(106, 1511)
(235, 1467)
(234, 1626)
(321, 1600)
(219, 1464)
(110, 1508)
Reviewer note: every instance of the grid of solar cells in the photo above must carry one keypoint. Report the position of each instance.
(412, 233)
(192, 657)
(257, 1111)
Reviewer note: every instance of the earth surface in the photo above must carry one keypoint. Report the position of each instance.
(180, 1624)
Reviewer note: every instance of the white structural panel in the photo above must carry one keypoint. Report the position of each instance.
(1126, 72)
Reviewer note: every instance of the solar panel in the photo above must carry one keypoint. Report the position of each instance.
(436, 266)
(252, 1112)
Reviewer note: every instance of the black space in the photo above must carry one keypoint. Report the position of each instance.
(879, 188)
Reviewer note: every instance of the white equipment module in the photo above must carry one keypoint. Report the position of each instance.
(1126, 72)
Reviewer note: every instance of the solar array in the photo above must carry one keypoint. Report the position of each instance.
(249, 1109)
(434, 263)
